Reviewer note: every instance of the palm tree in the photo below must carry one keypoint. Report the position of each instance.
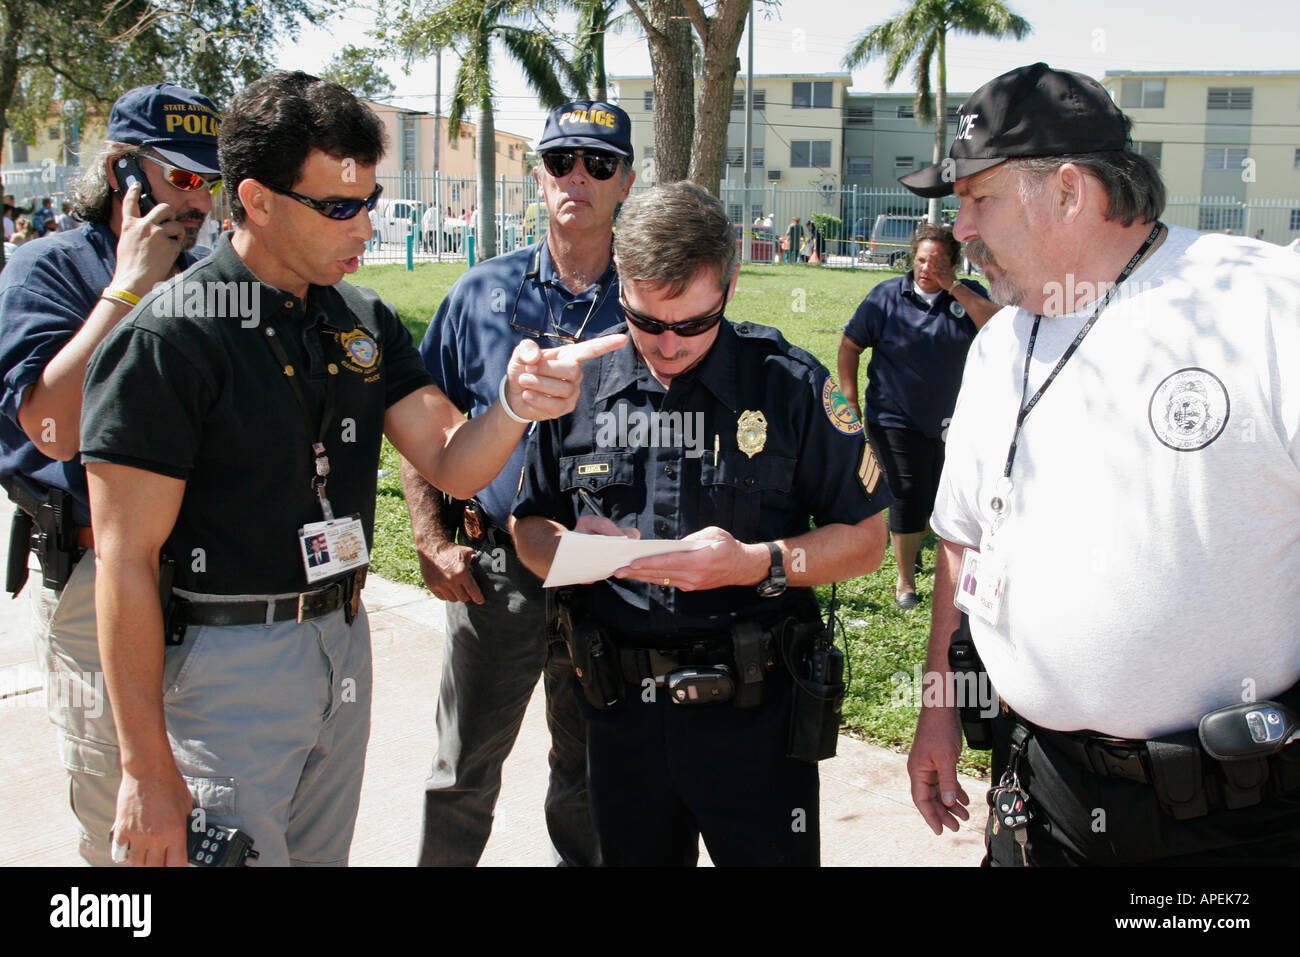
(469, 27)
(920, 32)
(595, 19)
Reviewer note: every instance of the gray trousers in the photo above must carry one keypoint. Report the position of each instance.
(494, 653)
(269, 726)
(67, 651)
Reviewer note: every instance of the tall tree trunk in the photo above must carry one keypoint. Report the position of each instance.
(940, 117)
(485, 138)
(674, 89)
(719, 39)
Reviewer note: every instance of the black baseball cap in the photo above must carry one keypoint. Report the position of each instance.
(1031, 111)
(588, 123)
(178, 124)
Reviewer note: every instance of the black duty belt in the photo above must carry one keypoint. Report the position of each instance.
(639, 662)
(1187, 781)
(306, 606)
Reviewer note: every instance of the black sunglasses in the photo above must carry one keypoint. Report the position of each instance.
(332, 208)
(559, 163)
(687, 327)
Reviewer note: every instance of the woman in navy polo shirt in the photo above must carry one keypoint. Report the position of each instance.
(918, 327)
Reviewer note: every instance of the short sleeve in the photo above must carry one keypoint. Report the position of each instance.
(404, 370)
(863, 327)
(439, 351)
(42, 310)
(142, 404)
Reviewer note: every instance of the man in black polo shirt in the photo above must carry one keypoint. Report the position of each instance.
(725, 435)
(233, 418)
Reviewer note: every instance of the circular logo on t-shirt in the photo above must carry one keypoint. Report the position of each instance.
(838, 409)
(1189, 409)
(957, 309)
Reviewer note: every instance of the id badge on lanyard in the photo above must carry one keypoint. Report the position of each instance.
(336, 545)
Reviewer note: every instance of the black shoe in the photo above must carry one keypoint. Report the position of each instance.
(906, 601)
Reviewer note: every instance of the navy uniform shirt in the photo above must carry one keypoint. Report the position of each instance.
(487, 312)
(918, 352)
(197, 394)
(47, 291)
(646, 454)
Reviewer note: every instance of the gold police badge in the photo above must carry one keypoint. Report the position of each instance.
(751, 433)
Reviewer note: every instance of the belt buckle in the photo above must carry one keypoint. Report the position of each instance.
(302, 607)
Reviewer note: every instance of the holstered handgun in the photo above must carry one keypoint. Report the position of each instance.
(595, 659)
(51, 532)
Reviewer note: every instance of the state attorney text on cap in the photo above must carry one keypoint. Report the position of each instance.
(178, 124)
(1031, 111)
(590, 124)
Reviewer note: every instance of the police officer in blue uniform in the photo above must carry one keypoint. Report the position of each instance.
(500, 625)
(58, 299)
(728, 437)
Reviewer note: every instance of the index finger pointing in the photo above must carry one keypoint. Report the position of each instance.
(591, 349)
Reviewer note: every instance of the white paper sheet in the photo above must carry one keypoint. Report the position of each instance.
(590, 558)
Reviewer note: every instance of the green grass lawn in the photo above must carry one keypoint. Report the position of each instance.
(810, 305)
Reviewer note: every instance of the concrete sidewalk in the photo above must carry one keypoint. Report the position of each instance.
(867, 815)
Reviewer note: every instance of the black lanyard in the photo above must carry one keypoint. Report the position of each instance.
(1026, 408)
(558, 332)
(318, 444)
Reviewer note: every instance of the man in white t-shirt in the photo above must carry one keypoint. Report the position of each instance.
(1120, 506)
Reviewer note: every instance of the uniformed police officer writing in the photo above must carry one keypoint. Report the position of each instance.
(779, 444)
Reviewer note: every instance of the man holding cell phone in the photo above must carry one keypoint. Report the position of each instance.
(141, 203)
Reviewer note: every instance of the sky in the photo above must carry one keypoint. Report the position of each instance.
(811, 36)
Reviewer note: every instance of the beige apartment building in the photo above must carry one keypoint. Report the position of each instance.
(1234, 135)
(797, 137)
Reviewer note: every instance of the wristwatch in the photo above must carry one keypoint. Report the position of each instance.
(774, 583)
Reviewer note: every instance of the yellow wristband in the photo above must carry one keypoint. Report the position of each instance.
(120, 295)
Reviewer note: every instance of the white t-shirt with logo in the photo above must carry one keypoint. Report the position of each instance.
(1152, 533)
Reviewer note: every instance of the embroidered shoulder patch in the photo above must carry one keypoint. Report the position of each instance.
(838, 409)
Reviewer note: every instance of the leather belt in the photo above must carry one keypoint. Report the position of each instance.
(1106, 757)
(307, 606)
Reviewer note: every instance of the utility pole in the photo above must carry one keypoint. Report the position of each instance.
(746, 228)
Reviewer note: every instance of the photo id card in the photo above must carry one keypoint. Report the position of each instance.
(980, 585)
(332, 548)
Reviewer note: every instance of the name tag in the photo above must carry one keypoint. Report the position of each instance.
(980, 585)
(332, 548)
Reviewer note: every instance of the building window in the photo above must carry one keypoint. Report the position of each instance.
(454, 142)
(1218, 218)
(906, 113)
(1297, 159)
(737, 99)
(860, 116)
(1295, 220)
(18, 146)
(54, 132)
(903, 164)
(810, 153)
(756, 156)
(735, 156)
(1229, 98)
(1142, 94)
(760, 101)
(811, 94)
(648, 100)
(1151, 150)
(1224, 157)
(757, 211)
(735, 212)
(859, 165)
